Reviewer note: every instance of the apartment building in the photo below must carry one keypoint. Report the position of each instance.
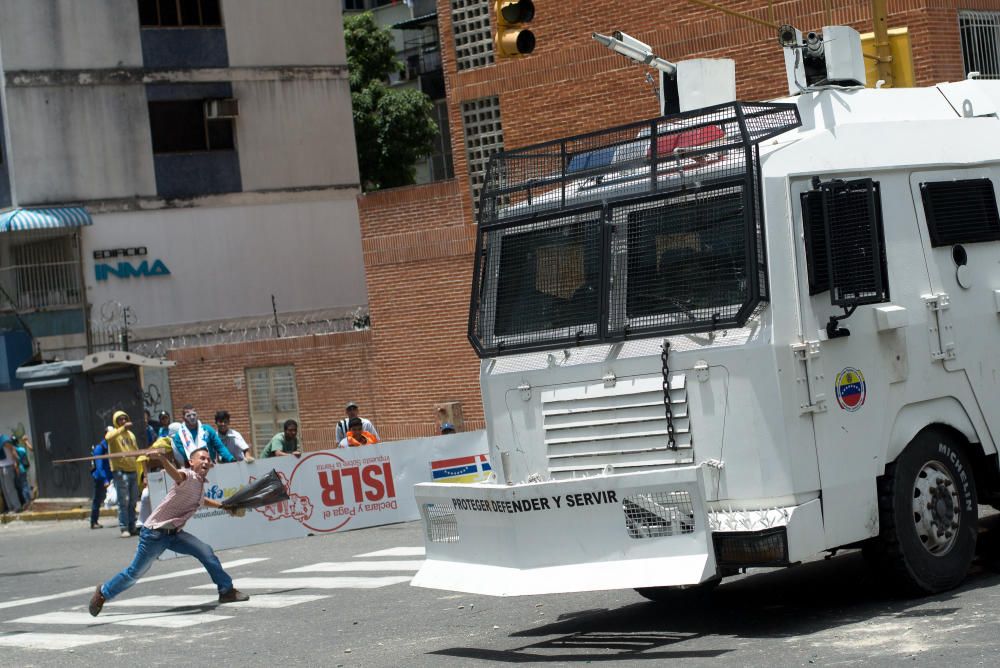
(175, 173)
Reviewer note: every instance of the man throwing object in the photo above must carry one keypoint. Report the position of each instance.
(164, 531)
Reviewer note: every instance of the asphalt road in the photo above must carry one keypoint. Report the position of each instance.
(829, 612)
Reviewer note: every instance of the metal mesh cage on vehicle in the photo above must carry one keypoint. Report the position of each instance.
(647, 228)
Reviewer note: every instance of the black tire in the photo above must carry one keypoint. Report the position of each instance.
(928, 517)
(690, 595)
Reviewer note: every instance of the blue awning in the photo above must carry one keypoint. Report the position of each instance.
(17, 220)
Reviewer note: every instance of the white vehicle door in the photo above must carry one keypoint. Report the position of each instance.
(960, 229)
(851, 377)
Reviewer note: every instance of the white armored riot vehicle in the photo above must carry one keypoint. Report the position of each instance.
(737, 336)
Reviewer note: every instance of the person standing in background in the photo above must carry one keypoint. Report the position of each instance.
(164, 424)
(357, 435)
(194, 435)
(8, 478)
(232, 439)
(21, 447)
(151, 428)
(343, 425)
(125, 471)
(285, 442)
(101, 473)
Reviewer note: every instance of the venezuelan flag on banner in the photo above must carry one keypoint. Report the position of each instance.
(461, 469)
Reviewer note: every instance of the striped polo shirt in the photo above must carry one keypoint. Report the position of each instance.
(180, 503)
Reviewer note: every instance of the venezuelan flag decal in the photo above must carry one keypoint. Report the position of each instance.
(461, 469)
(851, 389)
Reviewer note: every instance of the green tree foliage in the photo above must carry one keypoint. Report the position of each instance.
(393, 127)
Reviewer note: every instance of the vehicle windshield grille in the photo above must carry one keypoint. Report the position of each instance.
(612, 235)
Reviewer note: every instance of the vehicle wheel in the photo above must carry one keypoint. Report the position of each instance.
(928, 517)
(692, 594)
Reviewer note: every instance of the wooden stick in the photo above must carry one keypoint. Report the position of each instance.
(113, 455)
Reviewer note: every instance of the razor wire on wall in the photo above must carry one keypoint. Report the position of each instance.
(116, 326)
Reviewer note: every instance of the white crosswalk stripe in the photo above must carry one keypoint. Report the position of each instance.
(259, 601)
(171, 620)
(395, 552)
(356, 566)
(55, 641)
(343, 582)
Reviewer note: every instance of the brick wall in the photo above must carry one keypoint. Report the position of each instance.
(418, 241)
(330, 370)
(419, 245)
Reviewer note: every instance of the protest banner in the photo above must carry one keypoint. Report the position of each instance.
(333, 490)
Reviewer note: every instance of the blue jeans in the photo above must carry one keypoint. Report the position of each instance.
(24, 487)
(152, 543)
(127, 487)
(100, 492)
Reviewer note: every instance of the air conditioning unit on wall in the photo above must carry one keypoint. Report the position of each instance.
(222, 108)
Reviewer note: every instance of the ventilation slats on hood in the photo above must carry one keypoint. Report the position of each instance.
(623, 425)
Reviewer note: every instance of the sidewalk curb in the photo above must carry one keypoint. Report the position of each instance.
(54, 515)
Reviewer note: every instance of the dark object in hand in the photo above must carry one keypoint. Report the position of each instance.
(262, 492)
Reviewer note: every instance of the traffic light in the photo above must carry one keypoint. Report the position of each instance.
(511, 38)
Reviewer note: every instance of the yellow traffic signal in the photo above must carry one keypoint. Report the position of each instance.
(511, 38)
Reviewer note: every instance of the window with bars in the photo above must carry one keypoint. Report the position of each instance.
(980, 35)
(273, 399)
(483, 137)
(470, 24)
(180, 14)
(41, 271)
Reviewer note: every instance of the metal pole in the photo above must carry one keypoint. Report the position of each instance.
(277, 324)
(84, 304)
(732, 12)
(880, 23)
(125, 329)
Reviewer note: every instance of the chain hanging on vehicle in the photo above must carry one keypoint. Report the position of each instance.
(671, 441)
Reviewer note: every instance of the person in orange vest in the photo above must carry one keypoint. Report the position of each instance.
(356, 435)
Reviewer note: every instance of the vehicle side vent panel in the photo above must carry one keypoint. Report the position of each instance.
(815, 238)
(960, 212)
(852, 212)
(589, 428)
(658, 514)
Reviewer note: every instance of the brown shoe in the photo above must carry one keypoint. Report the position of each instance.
(96, 602)
(234, 595)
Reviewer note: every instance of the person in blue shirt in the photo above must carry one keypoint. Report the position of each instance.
(101, 473)
(8, 474)
(21, 447)
(164, 425)
(195, 435)
(151, 429)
